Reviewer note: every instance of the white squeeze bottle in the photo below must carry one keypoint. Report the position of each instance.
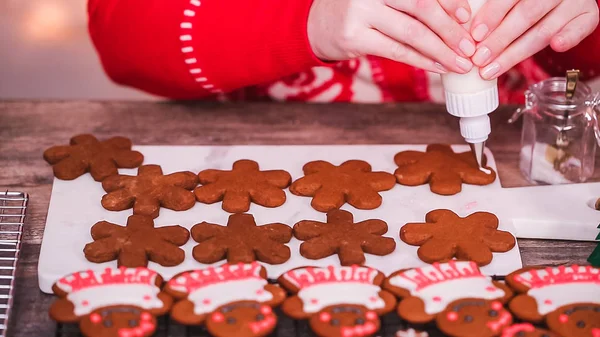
(472, 98)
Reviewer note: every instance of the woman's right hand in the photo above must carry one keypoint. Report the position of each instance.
(423, 33)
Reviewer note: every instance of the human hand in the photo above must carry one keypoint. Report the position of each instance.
(510, 31)
(420, 33)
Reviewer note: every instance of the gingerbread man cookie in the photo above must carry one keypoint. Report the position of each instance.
(244, 184)
(566, 297)
(112, 302)
(445, 235)
(341, 236)
(427, 291)
(149, 191)
(442, 168)
(87, 154)
(338, 301)
(136, 243)
(472, 317)
(526, 330)
(331, 186)
(241, 241)
(230, 300)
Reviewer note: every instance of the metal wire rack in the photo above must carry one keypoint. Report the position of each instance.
(13, 206)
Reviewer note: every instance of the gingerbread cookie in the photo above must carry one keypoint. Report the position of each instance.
(244, 184)
(472, 317)
(87, 154)
(331, 186)
(341, 236)
(241, 241)
(526, 330)
(111, 302)
(149, 191)
(230, 300)
(136, 243)
(427, 291)
(442, 168)
(567, 297)
(338, 301)
(411, 333)
(445, 235)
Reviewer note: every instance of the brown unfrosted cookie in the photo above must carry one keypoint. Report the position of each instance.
(473, 317)
(427, 291)
(338, 301)
(230, 300)
(241, 241)
(111, 302)
(149, 191)
(445, 235)
(244, 184)
(331, 186)
(442, 168)
(566, 297)
(86, 154)
(526, 330)
(136, 243)
(341, 236)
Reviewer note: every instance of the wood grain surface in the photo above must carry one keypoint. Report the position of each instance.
(28, 128)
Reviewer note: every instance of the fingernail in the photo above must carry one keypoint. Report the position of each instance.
(464, 64)
(441, 67)
(462, 15)
(482, 56)
(467, 47)
(480, 32)
(490, 71)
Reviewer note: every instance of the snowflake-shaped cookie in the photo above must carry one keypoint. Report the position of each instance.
(245, 183)
(86, 154)
(149, 191)
(341, 236)
(446, 235)
(442, 168)
(352, 182)
(136, 243)
(241, 241)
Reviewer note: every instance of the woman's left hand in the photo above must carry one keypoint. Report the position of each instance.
(510, 31)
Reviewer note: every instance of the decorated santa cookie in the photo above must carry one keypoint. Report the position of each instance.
(120, 302)
(566, 297)
(473, 317)
(230, 300)
(428, 290)
(338, 301)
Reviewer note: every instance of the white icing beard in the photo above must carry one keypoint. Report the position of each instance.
(551, 297)
(319, 296)
(209, 298)
(90, 299)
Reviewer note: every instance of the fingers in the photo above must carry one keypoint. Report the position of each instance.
(457, 9)
(575, 31)
(431, 13)
(526, 14)
(489, 17)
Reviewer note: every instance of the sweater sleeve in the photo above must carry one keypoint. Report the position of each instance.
(189, 49)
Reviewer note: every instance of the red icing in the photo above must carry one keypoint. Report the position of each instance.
(549, 302)
(442, 273)
(217, 317)
(366, 329)
(95, 318)
(305, 277)
(512, 330)
(146, 316)
(324, 317)
(109, 276)
(437, 299)
(193, 280)
(563, 318)
(371, 315)
(266, 310)
(539, 278)
(452, 316)
(206, 301)
(595, 332)
(85, 303)
(263, 325)
(496, 305)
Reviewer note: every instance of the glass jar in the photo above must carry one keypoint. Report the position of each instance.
(559, 136)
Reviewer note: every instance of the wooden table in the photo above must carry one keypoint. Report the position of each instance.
(28, 128)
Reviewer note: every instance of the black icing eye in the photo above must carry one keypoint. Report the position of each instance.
(493, 313)
(107, 323)
(581, 324)
(231, 320)
(468, 319)
(334, 322)
(359, 321)
(132, 323)
(260, 317)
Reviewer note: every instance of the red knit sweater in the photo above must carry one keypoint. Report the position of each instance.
(240, 49)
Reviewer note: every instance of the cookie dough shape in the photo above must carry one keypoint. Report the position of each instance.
(442, 168)
(445, 235)
(337, 301)
(87, 154)
(331, 186)
(241, 241)
(230, 300)
(149, 191)
(111, 302)
(136, 243)
(244, 184)
(341, 236)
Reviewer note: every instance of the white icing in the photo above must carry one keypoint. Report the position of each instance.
(411, 333)
(89, 299)
(319, 296)
(212, 296)
(551, 297)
